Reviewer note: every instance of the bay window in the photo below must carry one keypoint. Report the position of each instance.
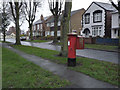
(96, 31)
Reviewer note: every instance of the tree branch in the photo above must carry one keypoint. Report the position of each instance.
(12, 10)
(114, 5)
(20, 5)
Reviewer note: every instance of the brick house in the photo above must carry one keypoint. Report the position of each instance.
(76, 18)
(11, 33)
(97, 20)
(75, 22)
(50, 25)
(39, 27)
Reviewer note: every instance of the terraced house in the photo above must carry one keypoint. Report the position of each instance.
(45, 25)
(75, 22)
(97, 20)
(39, 27)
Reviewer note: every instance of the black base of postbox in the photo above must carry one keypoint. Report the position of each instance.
(71, 62)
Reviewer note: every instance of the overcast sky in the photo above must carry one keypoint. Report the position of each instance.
(76, 4)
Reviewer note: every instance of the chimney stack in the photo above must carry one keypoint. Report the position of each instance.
(41, 17)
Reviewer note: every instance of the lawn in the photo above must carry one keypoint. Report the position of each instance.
(39, 41)
(4, 42)
(101, 70)
(20, 73)
(101, 47)
(0, 68)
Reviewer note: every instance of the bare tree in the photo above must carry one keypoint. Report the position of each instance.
(65, 28)
(30, 11)
(15, 10)
(55, 8)
(118, 9)
(5, 19)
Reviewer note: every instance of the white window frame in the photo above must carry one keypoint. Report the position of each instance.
(96, 30)
(59, 23)
(52, 33)
(52, 24)
(41, 26)
(37, 26)
(34, 27)
(97, 17)
(87, 18)
(58, 33)
(48, 24)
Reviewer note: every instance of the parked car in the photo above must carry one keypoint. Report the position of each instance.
(22, 38)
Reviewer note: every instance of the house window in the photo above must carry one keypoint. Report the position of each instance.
(41, 26)
(41, 34)
(58, 33)
(99, 32)
(48, 24)
(115, 31)
(87, 18)
(38, 27)
(59, 23)
(52, 33)
(52, 24)
(96, 30)
(97, 16)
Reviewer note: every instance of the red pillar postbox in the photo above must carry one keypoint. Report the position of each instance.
(72, 39)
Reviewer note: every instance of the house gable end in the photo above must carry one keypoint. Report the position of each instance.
(93, 3)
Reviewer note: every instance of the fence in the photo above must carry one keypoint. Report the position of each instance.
(107, 41)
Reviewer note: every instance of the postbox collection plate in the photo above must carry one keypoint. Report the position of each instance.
(68, 43)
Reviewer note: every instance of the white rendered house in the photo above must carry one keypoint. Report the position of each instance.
(115, 25)
(97, 20)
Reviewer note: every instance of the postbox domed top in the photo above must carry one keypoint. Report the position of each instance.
(80, 36)
(72, 34)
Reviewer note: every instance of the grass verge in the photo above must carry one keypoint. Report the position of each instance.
(20, 73)
(101, 47)
(39, 41)
(4, 42)
(0, 67)
(101, 70)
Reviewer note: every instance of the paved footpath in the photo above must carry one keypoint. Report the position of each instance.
(77, 79)
(89, 53)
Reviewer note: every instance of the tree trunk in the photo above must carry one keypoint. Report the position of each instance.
(65, 29)
(55, 29)
(4, 35)
(3, 22)
(31, 33)
(17, 33)
(17, 26)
